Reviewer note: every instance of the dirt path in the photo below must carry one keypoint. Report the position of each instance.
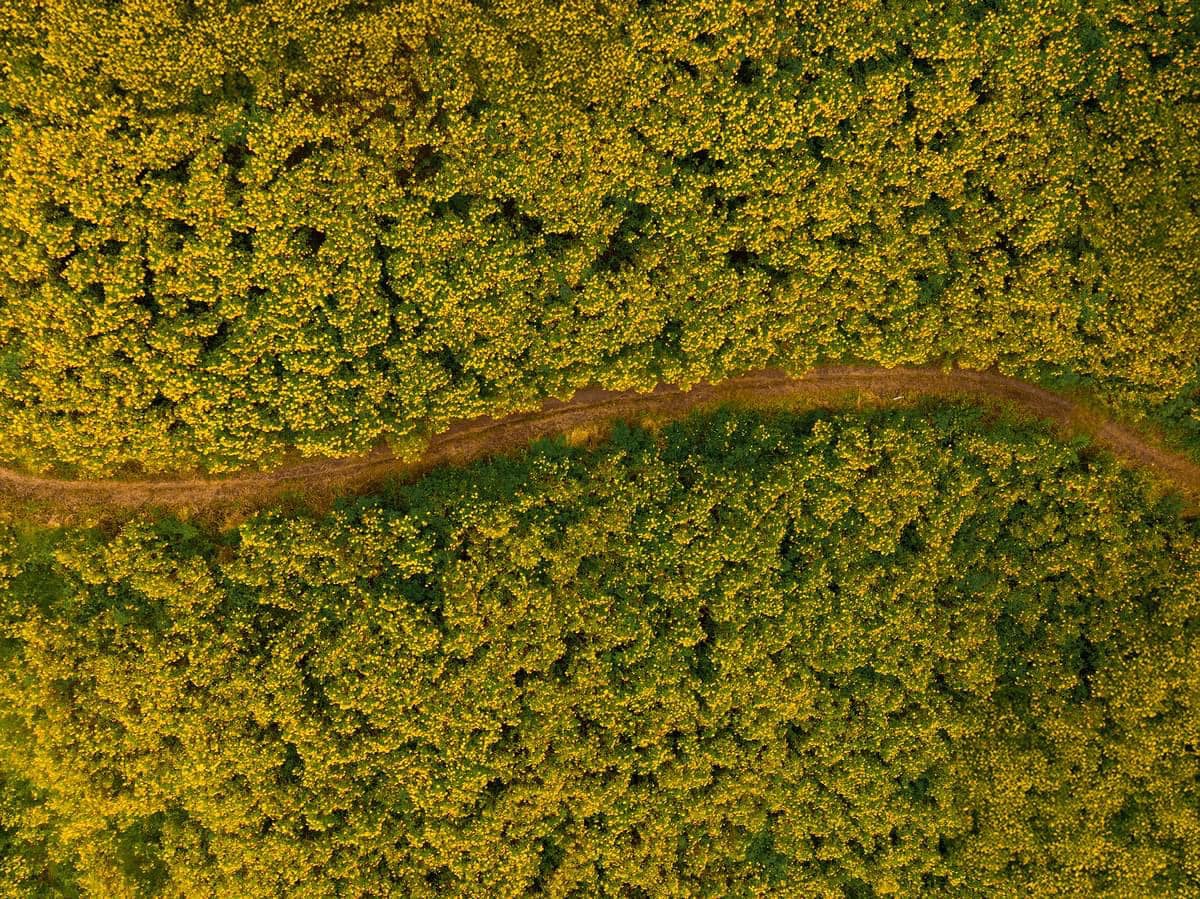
(586, 414)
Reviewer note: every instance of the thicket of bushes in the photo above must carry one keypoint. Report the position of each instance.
(905, 654)
(227, 228)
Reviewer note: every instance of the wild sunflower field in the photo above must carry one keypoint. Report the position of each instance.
(229, 228)
(293, 604)
(904, 653)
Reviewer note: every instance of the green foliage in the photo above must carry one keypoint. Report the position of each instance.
(227, 229)
(820, 655)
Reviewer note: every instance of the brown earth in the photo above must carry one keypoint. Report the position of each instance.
(587, 416)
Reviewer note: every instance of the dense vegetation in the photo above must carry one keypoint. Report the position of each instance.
(232, 226)
(819, 655)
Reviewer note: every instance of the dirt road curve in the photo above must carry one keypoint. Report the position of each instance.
(591, 409)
